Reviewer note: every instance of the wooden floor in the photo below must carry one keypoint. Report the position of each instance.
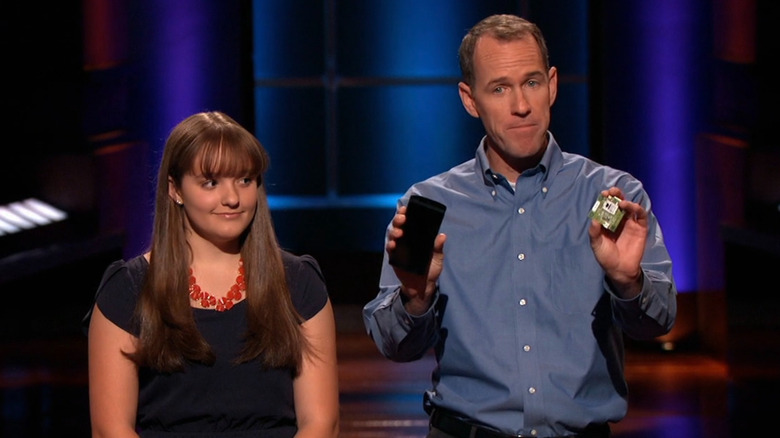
(673, 394)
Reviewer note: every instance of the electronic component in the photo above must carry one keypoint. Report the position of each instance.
(606, 212)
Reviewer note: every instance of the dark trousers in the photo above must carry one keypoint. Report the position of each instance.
(436, 433)
(445, 425)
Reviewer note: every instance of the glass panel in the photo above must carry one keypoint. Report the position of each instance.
(406, 38)
(289, 39)
(393, 136)
(290, 123)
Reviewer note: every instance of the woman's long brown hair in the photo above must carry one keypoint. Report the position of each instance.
(168, 334)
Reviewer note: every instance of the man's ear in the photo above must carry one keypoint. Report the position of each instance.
(553, 84)
(464, 90)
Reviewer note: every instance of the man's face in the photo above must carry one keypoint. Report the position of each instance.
(512, 94)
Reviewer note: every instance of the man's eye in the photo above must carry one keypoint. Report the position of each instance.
(499, 90)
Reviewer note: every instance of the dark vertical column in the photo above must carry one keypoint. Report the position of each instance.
(721, 160)
(119, 152)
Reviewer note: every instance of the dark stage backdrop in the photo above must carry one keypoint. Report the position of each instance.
(356, 100)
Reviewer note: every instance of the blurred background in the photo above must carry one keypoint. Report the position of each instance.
(355, 101)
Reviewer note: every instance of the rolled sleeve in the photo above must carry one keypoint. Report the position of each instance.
(400, 336)
(651, 313)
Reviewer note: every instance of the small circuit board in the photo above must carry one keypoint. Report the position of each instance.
(606, 212)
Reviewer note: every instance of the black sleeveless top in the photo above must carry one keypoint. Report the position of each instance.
(223, 399)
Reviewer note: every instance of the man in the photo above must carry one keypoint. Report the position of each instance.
(526, 304)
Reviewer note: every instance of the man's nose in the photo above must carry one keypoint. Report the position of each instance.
(520, 104)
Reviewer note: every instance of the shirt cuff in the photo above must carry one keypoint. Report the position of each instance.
(408, 320)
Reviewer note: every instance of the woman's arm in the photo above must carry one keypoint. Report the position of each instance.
(113, 379)
(316, 388)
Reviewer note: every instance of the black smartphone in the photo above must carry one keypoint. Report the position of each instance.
(413, 250)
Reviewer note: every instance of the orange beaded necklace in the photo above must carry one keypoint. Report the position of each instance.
(225, 303)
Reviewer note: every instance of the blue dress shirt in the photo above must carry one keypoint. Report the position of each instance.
(525, 328)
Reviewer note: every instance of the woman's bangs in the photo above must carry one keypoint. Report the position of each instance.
(226, 158)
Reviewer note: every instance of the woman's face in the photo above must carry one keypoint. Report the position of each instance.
(217, 209)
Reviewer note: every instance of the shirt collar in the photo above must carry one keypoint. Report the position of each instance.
(551, 161)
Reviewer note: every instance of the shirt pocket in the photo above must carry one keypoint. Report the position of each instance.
(576, 280)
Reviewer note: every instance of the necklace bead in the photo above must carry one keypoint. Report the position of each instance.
(207, 300)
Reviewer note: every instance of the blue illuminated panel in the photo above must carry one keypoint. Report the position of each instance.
(291, 125)
(357, 100)
(393, 136)
(288, 39)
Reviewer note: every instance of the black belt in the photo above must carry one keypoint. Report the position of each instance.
(456, 427)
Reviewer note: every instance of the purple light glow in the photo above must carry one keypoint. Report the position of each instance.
(184, 49)
(661, 52)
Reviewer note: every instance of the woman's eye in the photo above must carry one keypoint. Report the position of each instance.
(247, 180)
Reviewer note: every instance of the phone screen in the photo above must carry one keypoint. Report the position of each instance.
(413, 250)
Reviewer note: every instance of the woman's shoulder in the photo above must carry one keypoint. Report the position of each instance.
(133, 269)
(124, 276)
(118, 290)
(296, 262)
(306, 283)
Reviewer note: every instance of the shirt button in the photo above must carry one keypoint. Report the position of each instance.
(493, 193)
(532, 390)
(521, 256)
(533, 432)
(526, 348)
(521, 210)
(522, 302)
(544, 189)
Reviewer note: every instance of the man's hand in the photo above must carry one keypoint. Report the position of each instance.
(417, 289)
(619, 253)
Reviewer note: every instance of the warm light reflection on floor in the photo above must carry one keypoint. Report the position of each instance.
(671, 394)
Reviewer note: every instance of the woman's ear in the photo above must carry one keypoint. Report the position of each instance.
(173, 191)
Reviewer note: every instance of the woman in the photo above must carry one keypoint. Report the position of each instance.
(215, 330)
